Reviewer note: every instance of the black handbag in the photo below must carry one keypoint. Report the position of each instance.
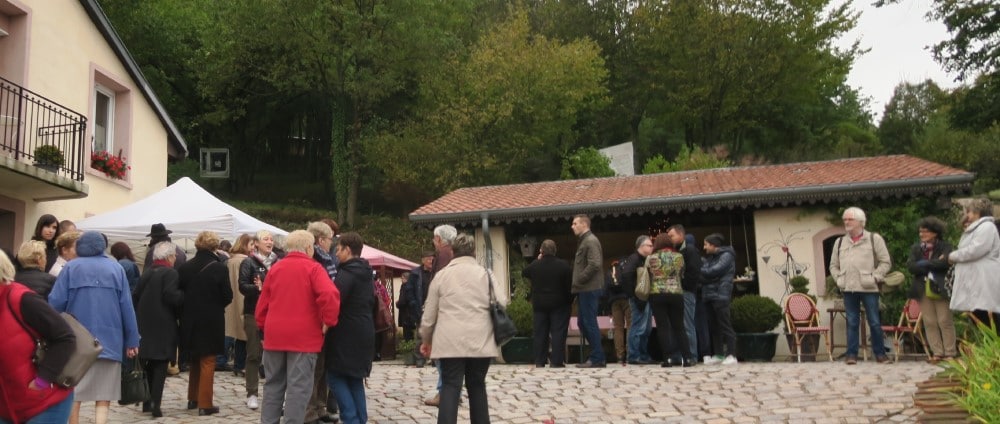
(135, 388)
(949, 283)
(503, 327)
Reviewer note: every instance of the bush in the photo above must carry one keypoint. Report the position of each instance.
(755, 314)
(979, 372)
(405, 347)
(49, 155)
(519, 308)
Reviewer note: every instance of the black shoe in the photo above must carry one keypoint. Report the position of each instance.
(557, 366)
(642, 362)
(157, 413)
(192, 404)
(689, 363)
(589, 364)
(328, 419)
(223, 368)
(316, 421)
(239, 373)
(208, 411)
(146, 406)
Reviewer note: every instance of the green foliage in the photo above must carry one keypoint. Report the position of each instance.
(800, 284)
(976, 152)
(755, 314)
(907, 114)
(586, 162)
(519, 308)
(979, 372)
(687, 160)
(405, 347)
(48, 154)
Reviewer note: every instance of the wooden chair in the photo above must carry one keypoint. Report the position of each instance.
(802, 319)
(910, 322)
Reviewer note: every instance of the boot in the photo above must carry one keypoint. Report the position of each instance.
(155, 409)
(145, 406)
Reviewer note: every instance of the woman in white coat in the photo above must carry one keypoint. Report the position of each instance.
(457, 331)
(977, 265)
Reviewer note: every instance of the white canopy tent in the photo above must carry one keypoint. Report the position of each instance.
(186, 209)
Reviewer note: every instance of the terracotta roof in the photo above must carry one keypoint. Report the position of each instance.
(729, 188)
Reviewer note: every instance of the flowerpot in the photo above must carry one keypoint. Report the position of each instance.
(48, 166)
(518, 351)
(408, 358)
(810, 344)
(756, 347)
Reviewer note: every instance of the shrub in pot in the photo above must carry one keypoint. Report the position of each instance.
(753, 318)
(519, 349)
(405, 348)
(49, 156)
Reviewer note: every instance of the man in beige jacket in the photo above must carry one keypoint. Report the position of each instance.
(859, 262)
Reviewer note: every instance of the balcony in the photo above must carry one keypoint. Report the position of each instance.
(29, 121)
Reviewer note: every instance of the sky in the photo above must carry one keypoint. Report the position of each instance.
(898, 37)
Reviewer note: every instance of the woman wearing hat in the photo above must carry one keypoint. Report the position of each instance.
(158, 233)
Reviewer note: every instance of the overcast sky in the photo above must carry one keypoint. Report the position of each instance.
(898, 37)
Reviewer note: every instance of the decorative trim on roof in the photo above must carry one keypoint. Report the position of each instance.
(723, 189)
(111, 36)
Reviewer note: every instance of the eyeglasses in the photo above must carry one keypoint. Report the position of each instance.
(646, 245)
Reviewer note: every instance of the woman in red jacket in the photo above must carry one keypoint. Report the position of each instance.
(26, 391)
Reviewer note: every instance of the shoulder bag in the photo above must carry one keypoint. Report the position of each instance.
(503, 325)
(642, 283)
(84, 353)
(135, 387)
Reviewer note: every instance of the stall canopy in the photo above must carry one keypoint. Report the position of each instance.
(186, 209)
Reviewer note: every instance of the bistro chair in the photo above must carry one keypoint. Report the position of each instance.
(910, 322)
(802, 319)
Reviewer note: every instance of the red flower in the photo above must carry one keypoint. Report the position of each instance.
(113, 166)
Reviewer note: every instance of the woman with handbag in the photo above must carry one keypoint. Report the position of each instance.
(928, 263)
(977, 265)
(157, 297)
(24, 315)
(666, 300)
(457, 331)
(93, 288)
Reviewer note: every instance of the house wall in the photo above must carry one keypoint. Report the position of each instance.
(67, 52)
(802, 232)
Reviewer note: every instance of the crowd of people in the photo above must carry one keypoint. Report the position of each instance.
(242, 302)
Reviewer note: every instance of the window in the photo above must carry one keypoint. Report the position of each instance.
(104, 120)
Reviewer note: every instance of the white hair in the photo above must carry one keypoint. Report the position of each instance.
(299, 241)
(446, 233)
(164, 250)
(857, 214)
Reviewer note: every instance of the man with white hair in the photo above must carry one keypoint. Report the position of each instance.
(859, 262)
(296, 306)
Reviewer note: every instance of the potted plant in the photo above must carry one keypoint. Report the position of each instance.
(405, 348)
(49, 157)
(519, 349)
(810, 342)
(753, 319)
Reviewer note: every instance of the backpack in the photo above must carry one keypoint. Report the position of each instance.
(618, 271)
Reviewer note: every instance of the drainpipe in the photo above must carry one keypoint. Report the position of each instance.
(488, 259)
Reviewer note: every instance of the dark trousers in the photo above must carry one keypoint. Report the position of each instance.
(702, 326)
(407, 333)
(668, 311)
(551, 325)
(723, 336)
(156, 376)
(453, 372)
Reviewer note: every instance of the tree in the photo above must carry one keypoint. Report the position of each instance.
(586, 162)
(907, 113)
(483, 115)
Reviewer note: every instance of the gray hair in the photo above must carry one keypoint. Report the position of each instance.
(447, 233)
(981, 205)
(857, 214)
(640, 240)
(320, 229)
(299, 241)
(164, 250)
(463, 245)
(6, 269)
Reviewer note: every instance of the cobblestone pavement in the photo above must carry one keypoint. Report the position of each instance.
(821, 392)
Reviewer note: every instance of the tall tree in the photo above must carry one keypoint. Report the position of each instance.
(907, 114)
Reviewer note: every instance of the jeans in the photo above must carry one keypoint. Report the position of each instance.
(473, 371)
(852, 307)
(56, 414)
(638, 333)
(551, 325)
(703, 329)
(690, 305)
(350, 393)
(222, 359)
(588, 324)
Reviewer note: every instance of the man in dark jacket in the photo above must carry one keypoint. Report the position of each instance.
(717, 274)
(690, 282)
(588, 279)
(551, 302)
(415, 292)
(641, 323)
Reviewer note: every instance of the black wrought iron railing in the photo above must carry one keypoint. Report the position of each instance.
(29, 121)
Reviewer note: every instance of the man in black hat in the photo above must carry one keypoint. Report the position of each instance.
(158, 233)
